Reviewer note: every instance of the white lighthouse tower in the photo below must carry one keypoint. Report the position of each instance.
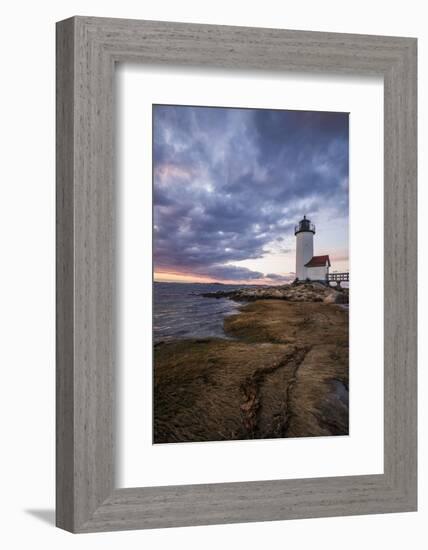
(304, 231)
(308, 266)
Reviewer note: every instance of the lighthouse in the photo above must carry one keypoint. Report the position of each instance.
(308, 266)
(304, 231)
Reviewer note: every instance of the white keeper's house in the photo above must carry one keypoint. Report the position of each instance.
(308, 266)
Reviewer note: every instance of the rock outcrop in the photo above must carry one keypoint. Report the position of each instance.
(282, 372)
(295, 292)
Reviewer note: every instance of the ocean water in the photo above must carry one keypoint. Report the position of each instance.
(180, 312)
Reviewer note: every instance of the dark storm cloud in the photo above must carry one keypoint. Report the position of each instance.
(228, 182)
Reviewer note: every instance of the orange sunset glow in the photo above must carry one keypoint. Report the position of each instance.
(171, 277)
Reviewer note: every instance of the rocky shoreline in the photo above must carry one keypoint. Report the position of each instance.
(282, 371)
(294, 292)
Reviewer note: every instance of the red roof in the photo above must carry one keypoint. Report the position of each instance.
(318, 261)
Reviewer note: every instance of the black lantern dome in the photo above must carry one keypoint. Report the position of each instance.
(304, 225)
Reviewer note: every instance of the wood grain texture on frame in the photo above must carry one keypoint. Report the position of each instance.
(87, 50)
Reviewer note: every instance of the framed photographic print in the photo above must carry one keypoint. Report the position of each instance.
(236, 274)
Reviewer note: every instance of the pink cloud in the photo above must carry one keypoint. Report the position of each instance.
(167, 170)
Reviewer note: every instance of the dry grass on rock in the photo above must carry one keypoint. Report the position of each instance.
(284, 374)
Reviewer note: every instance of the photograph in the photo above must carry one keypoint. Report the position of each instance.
(250, 273)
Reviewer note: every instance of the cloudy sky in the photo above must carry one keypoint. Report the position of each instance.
(230, 184)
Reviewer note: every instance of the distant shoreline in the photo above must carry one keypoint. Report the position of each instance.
(208, 283)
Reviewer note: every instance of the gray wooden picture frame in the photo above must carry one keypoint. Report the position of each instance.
(87, 50)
